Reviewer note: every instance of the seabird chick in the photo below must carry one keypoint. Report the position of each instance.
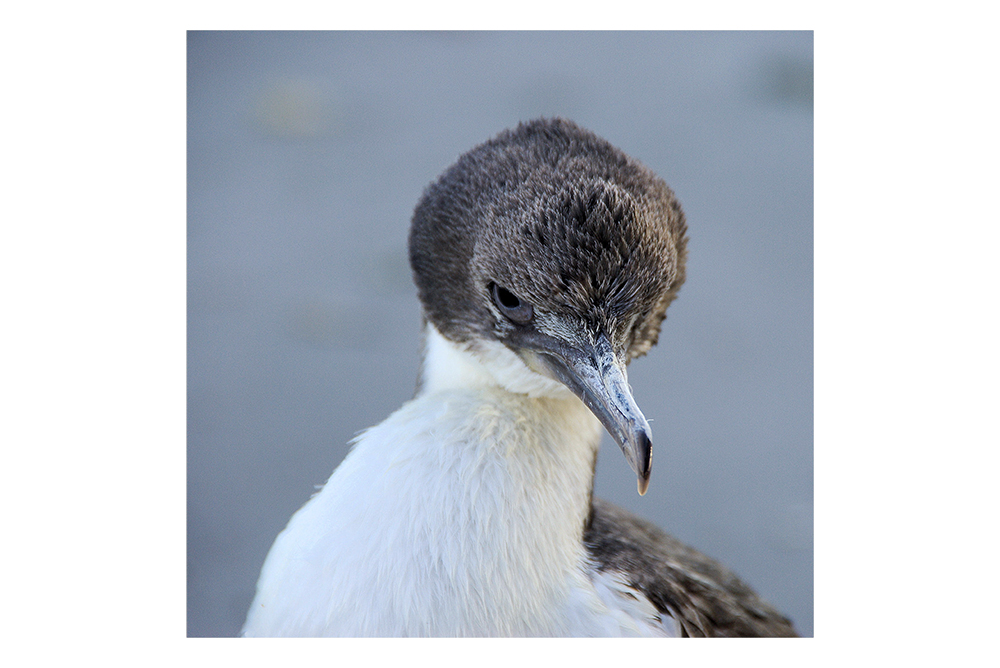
(545, 260)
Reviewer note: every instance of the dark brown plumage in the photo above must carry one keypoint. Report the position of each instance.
(706, 598)
(582, 230)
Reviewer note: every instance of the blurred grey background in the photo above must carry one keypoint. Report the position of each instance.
(306, 155)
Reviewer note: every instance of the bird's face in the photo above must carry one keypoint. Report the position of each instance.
(577, 287)
(570, 264)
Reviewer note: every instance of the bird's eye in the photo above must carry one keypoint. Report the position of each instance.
(516, 310)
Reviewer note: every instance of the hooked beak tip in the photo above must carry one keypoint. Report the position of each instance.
(644, 460)
(643, 485)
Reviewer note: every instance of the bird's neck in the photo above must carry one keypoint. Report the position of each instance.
(543, 435)
(505, 482)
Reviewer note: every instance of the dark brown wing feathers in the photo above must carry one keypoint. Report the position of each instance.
(705, 597)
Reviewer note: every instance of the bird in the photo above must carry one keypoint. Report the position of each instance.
(544, 261)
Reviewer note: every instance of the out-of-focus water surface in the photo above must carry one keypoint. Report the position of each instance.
(306, 155)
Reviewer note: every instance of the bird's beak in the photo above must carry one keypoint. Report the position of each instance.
(595, 374)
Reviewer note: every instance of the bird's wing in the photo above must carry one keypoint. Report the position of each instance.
(705, 597)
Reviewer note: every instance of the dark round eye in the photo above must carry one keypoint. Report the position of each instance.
(516, 310)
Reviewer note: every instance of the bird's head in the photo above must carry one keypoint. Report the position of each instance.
(557, 245)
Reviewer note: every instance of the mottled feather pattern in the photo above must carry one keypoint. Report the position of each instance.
(706, 598)
(580, 227)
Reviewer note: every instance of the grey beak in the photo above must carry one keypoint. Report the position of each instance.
(595, 374)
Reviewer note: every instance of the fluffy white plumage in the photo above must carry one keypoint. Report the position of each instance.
(459, 515)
